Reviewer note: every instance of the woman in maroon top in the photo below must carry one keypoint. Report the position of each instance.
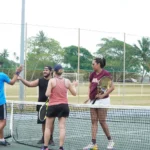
(99, 114)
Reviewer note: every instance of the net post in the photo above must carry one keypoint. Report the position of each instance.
(124, 67)
(11, 118)
(21, 87)
(25, 67)
(78, 61)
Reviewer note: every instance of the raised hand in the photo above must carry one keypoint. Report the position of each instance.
(19, 69)
(19, 78)
(75, 83)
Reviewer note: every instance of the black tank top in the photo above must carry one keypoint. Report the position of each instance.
(42, 89)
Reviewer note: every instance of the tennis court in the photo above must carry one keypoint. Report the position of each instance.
(15, 146)
(129, 127)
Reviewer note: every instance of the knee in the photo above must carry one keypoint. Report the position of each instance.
(61, 126)
(94, 122)
(102, 122)
(47, 127)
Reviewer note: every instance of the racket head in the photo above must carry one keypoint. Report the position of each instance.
(42, 112)
(104, 84)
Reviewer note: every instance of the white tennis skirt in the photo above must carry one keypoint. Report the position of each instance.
(105, 101)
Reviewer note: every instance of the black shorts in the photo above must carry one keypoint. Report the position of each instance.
(3, 112)
(61, 110)
(38, 120)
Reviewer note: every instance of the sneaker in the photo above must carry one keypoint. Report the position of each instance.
(110, 144)
(51, 142)
(91, 146)
(4, 143)
(44, 149)
(41, 141)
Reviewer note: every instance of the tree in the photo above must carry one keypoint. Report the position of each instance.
(5, 54)
(8, 65)
(42, 51)
(143, 53)
(113, 50)
(15, 56)
(71, 58)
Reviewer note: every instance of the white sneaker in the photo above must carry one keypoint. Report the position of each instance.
(91, 146)
(110, 144)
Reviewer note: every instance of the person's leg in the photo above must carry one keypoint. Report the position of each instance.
(3, 116)
(62, 131)
(2, 140)
(63, 113)
(47, 133)
(41, 141)
(102, 115)
(94, 128)
(51, 142)
(94, 121)
(2, 125)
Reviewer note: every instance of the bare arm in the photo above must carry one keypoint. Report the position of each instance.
(29, 83)
(71, 87)
(89, 90)
(88, 94)
(15, 77)
(110, 89)
(13, 80)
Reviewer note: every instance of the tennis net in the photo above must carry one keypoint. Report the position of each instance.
(129, 126)
(8, 129)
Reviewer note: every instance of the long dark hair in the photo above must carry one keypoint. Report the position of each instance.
(101, 61)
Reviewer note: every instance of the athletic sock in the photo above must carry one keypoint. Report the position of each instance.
(94, 141)
(109, 137)
(45, 147)
(51, 137)
(61, 148)
(2, 140)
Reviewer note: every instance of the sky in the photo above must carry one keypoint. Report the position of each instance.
(111, 17)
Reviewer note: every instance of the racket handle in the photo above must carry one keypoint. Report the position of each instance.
(94, 101)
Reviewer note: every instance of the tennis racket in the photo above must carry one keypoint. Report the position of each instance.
(42, 111)
(103, 85)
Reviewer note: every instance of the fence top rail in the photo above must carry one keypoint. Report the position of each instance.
(140, 84)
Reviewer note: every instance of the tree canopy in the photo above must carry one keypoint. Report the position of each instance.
(71, 57)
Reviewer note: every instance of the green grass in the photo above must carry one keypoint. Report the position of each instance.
(130, 94)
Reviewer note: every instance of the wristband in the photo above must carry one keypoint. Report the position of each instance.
(17, 73)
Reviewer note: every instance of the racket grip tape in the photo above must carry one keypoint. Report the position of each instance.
(94, 101)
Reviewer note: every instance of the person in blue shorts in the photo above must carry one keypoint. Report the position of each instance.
(3, 108)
